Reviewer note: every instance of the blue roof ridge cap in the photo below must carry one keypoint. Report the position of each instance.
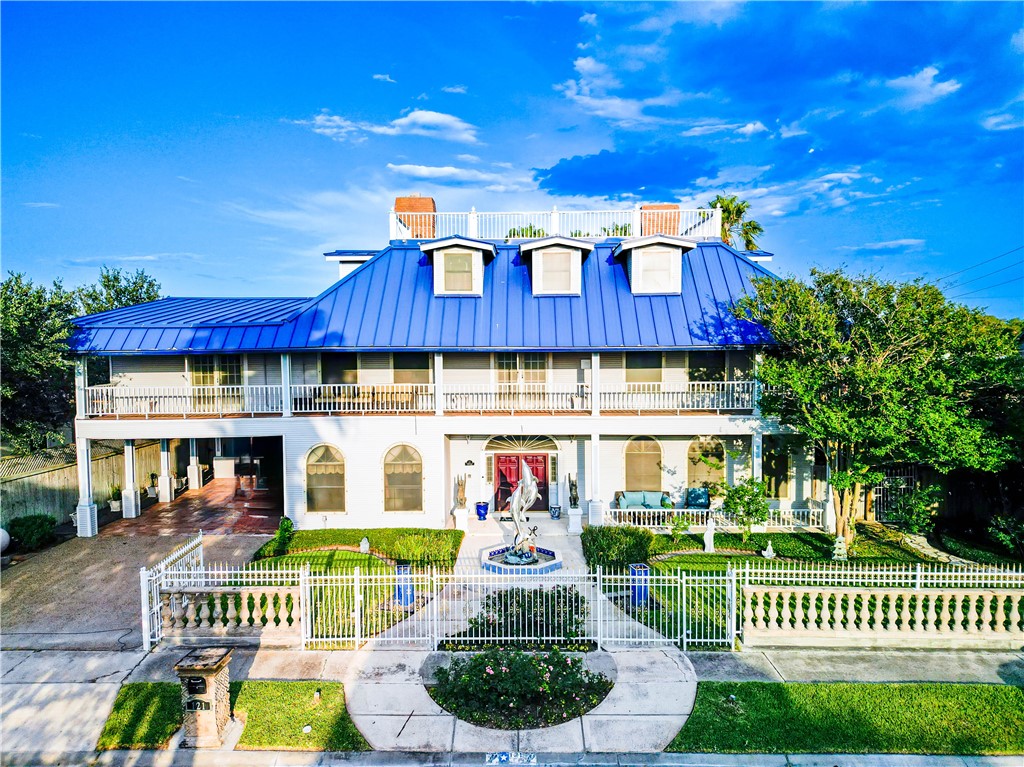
(742, 254)
(75, 320)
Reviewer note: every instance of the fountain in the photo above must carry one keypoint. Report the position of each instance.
(524, 555)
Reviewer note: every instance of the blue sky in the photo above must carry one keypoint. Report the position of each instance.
(224, 147)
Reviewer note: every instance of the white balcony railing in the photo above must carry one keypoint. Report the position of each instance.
(547, 398)
(696, 395)
(362, 398)
(181, 400)
(699, 223)
(778, 519)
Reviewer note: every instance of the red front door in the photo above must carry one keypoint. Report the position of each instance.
(507, 470)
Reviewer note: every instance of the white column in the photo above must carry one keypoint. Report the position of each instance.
(131, 500)
(438, 383)
(473, 225)
(596, 506)
(164, 487)
(393, 224)
(636, 221)
(756, 454)
(81, 383)
(595, 383)
(218, 447)
(195, 471)
(286, 385)
(88, 522)
(555, 224)
(757, 387)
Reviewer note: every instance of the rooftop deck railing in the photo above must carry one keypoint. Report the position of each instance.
(304, 399)
(700, 224)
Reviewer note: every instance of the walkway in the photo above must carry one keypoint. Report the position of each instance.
(214, 508)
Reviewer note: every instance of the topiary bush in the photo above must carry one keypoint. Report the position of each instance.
(556, 613)
(509, 689)
(33, 531)
(616, 547)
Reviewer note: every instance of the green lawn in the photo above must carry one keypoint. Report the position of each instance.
(326, 548)
(145, 715)
(986, 555)
(275, 714)
(854, 718)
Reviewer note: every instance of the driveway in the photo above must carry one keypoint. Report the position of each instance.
(84, 594)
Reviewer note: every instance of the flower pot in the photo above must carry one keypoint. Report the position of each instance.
(481, 511)
(151, 491)
(115, 506)
(555, 512)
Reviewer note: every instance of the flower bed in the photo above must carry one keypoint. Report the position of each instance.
(510, 690)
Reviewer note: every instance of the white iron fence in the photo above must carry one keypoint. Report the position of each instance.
(182, 562)
(697, 519)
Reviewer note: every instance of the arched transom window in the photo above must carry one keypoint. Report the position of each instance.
(325, 480)
(643, 464)
(403, 479)
(707, 463)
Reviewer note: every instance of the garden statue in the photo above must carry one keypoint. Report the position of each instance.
(574, 493)
(524, 496)
(839, 550)
(709, 536)
(768, 553)
(460, 491)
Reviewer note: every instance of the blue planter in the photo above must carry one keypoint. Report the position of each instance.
(555, 512)
(481, 511)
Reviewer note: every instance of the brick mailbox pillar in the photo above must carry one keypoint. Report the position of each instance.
(205, 696)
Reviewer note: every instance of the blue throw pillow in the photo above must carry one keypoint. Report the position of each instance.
(698, 498)
(646, 505)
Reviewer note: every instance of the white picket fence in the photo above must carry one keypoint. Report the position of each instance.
(186, 559)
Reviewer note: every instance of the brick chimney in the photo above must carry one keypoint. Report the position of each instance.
(415, 213)
(659, 218)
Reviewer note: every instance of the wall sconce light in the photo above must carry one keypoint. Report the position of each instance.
(470, 463)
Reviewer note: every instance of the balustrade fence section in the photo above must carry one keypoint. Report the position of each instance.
(679, 397)
(362, 398)
(186, 602)
(114, 400)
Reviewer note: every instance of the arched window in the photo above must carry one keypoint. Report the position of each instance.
(707, 463)
(403, 479)
(643, 464)
(325, 480)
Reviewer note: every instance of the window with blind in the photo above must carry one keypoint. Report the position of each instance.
(557, 272)
(707, 366)
(656, 270)
(411, 367)
(458, 271)
(643, 367)
(707, 463)
(643, 464)
(325, 480)
(403, 479)
(775, 466)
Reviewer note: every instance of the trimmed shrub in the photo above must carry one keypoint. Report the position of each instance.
(33, 531)
(559, 612)
(913, 511)
(616, 547)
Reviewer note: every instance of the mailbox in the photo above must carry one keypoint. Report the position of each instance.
(195, 685)
(204, 696)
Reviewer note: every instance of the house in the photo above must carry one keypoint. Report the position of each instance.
(593, 345)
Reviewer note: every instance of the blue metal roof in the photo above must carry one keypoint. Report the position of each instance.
(388, 304)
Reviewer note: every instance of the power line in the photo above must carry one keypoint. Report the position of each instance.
(988, 287)
(988, 274)
(980, 263)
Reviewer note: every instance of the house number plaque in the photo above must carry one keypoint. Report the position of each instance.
(197, 705)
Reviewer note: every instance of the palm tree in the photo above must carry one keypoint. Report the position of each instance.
(734, 221)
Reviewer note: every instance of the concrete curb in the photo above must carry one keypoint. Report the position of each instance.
(189, 758)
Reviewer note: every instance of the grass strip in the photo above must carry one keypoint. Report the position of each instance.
(768, 717)
(275, 714)
(145, 715)
(985, 554)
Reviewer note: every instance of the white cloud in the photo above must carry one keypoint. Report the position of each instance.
(696, 13)
(494, 182)
(1005, 121)
(591, 93)
(589, 18)
(791, 130)
(710, 128)
(751, 128)
(1017, 41)
(921, 89)
(383, 78)
(467, 158)
(422, 97)
(41, 205)
(419, 122)
(906, 243)
(455, 89)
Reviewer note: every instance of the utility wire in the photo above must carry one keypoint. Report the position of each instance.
(956, 285)
(988, 287)
(980, 263)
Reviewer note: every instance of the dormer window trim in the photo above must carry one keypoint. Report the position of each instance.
(641, 253)
(540, 251)
(453, 251)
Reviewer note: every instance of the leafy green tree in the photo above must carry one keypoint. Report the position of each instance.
(38, 379)
(877, 373)
(117, 288)
(747, 503)
(735, 224)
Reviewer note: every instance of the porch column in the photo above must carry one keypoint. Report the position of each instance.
(218, 447)
(596, 506)
(595, 384)
(165, 488)
(757, 387)
(438, 383)
(88, 522)
(81, 384)
(195, 471)
(131, 502)
(286, 385)
(756, 455)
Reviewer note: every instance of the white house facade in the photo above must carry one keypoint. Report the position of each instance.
(595, 346)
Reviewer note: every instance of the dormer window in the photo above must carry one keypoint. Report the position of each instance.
(556, 265)
(655, 264)
(458, 265)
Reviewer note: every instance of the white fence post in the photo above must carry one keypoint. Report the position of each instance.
(357, 612)
(683, 602)
(147, 642)
(599, 608)
(732, 604)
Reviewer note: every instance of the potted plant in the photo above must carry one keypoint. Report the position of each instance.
(115, 498)
(151, 490)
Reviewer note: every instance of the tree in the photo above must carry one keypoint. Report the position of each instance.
(735, 223)
(117, 288)
(747, 503)
(876, 373)
(38, 381)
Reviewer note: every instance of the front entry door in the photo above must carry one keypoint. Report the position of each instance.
(507, 469)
